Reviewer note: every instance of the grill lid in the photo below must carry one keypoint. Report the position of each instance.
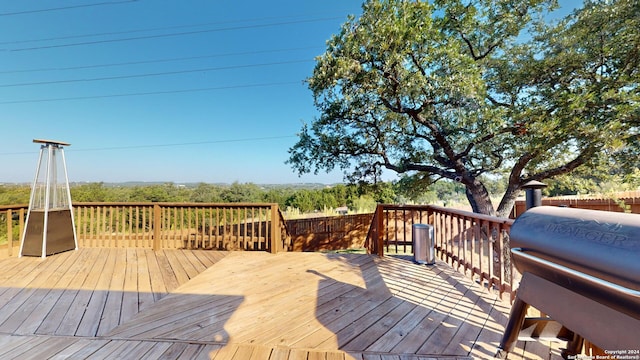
(599, 243)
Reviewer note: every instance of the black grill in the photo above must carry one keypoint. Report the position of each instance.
(582, 268)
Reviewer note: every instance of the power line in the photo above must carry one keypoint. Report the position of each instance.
(75, 149)
(150, 93)
(255, 26)
(66, 7)
(188, 143)
(124, 32)
(153, 74)
(80, 67)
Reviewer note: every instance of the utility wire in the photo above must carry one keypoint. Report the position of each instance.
(150, 93)
(80, 67)
(124, 32)
(154, 74)
(187, 143)
(76, 149)
(66, 7)
(255, 26)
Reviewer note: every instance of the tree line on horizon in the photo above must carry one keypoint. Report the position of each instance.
(301, 199)
(357, 197)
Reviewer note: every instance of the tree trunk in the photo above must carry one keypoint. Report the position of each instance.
(479, 198)
(508, 200)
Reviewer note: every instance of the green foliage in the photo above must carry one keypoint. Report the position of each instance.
(237, 192)
(205, 193)
(167, 192)
(303, 200)
(14, 194)
(358, 198)
(278, 196)
(459, 90)
(306, 199)
(364, 203)
(328, 198)
(89, 192)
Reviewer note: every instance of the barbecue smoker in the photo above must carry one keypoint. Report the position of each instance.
(582, 269)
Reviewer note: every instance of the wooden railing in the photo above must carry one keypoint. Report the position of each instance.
(12, 219)
(474, 244)
(329, 233)
(229, 226)
(477, 245)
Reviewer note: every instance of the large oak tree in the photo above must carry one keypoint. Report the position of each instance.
(458, 89)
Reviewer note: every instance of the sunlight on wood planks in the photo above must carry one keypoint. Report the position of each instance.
(197, 304)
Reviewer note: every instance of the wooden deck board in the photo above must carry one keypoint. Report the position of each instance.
(18, 303)
(156, 351)
(50, 324)
(130, 304)
(9, 343)
(169, 278)
(26, 317)
(50, 300)
(170, 304)
(98, 314)
(158, 287)
(71, 349)
(112, 349)
(145, 289)
(175, 266)
(174, 351)
(194, 351)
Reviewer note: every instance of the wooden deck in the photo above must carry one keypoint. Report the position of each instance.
(135, 304)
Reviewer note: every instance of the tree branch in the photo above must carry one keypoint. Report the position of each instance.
(568, 167)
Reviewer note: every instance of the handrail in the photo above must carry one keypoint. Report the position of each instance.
(13, 207)
(12, 218)
(229, 226)
(475, 244)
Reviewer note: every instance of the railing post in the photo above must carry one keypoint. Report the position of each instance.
(9, 232)
(275, 228)
(21, 222)
(157, 224)
(380, 230)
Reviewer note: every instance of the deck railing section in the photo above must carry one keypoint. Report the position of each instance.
(477, 245)
(12, 219)
(229, 226)
(330, 232)
(115, 224)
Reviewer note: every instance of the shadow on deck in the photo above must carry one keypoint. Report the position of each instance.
(117, 303)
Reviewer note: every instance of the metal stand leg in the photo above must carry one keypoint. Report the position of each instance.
(511, 331)
(574, 347)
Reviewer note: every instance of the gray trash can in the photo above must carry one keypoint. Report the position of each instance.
(423, 244)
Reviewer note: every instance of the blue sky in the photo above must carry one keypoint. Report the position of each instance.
(181, 91)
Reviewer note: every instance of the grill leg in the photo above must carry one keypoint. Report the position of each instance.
(574, 347)
(511, 331)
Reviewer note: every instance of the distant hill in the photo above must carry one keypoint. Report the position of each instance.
(311, 186)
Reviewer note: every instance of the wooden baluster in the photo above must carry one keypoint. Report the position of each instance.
(249, 243)
(121, 228)
(111, 241)
(21, 221)
(9, 232)
(210, 228)
(217, 233)
(157, 221)
(381, 238)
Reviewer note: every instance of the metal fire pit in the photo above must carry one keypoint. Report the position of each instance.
(582, 269)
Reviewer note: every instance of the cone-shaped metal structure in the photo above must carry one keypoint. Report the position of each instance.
(49, 228)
